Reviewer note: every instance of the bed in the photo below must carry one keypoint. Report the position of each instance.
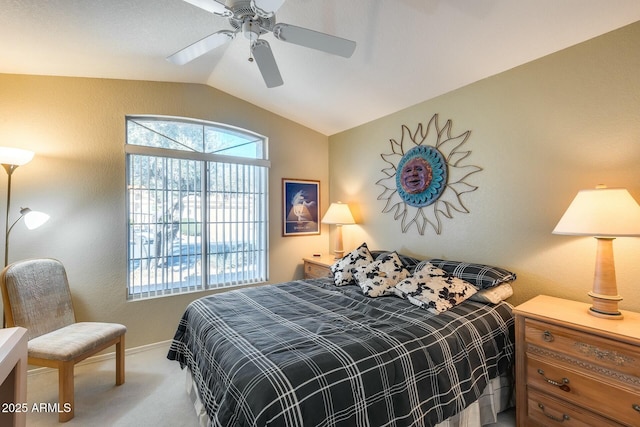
(308, 352)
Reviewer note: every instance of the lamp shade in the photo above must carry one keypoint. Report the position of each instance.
(611, 212)
(15, 156)
(338, 213)
(34, 219)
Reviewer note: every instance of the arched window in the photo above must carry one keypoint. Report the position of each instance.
(196, 205)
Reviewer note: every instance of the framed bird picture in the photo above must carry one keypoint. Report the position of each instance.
(300, 207)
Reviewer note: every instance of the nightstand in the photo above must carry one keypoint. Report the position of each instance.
(318, 266)
(573, 368)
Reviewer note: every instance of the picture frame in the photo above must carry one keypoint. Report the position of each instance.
(300, 207)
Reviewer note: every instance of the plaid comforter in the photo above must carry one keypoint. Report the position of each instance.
(309, 353)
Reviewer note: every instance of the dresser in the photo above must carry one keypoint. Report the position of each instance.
(575, 369)
(318, 266)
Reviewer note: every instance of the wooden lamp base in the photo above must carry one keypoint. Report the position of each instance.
(604, 295)
(339, 250)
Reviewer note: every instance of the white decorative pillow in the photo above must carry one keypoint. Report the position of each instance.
(433, 289)
(493, 295)
(343, 269)
(378, 278)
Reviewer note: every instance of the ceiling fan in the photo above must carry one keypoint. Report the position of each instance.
(254, 18)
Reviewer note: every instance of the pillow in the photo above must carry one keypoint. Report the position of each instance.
(378, 278)
(493, 295)
(434, 289)
(378, 254)
(343, 269)
(409, 262)
(480, 275)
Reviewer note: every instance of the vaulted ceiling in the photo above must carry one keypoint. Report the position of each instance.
(407, 51)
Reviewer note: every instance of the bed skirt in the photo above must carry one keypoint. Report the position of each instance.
(496, 397)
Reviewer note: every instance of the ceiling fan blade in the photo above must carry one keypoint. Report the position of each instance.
(211, 6)
(266, 63)
(314, 39)
(266, 8)
(201, 47)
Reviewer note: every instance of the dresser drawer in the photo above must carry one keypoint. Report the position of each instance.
(608, 354)
(312, 271)
(602, 395)
(573, 368)
(547, 411)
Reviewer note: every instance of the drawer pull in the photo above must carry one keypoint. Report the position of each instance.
(564, 418)
(547, 336)
(562, 385)
(636, 407)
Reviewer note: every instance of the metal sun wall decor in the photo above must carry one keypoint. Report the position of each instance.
(426, 177)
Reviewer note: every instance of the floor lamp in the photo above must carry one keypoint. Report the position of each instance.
(604, 213)
(11, 159)
(338, 214)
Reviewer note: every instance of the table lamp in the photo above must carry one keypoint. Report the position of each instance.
(338, 214)
(604, 213)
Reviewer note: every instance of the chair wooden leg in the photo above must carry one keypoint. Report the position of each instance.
(120, 361)
(65, 391)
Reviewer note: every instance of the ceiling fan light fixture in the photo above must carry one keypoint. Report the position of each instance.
(251, 30)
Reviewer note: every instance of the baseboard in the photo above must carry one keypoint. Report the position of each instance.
(36, 370)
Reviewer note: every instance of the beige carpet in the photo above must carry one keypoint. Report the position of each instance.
(152, 395)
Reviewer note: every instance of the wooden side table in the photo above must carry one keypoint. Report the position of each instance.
(573, 368)
(13, 377)
(318, 266)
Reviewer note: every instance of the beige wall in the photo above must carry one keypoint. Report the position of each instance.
(541, 132)
(77, 128)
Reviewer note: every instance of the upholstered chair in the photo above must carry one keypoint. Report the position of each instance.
(36, 296)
